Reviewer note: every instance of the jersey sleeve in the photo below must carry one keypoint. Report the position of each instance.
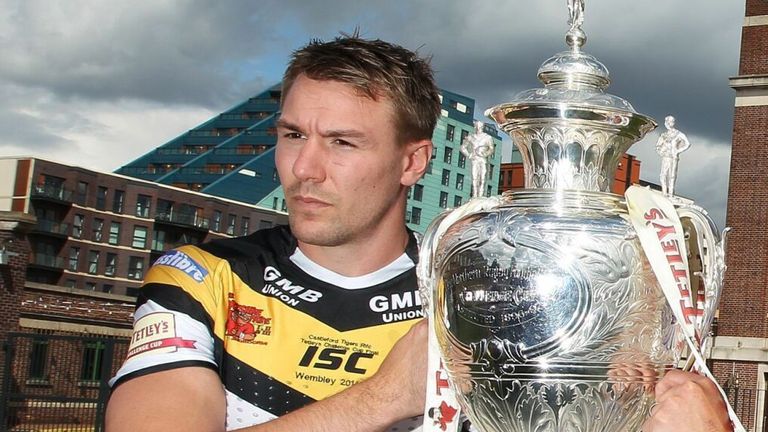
(174, 319)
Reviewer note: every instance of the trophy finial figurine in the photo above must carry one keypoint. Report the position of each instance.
(669, 146)
(478, 147)
(575, 36)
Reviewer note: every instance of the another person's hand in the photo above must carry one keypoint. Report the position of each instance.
(686, 401)
(402, 377)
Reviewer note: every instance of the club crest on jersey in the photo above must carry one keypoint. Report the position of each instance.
(181, 261)
(286, 291)
(247, 323)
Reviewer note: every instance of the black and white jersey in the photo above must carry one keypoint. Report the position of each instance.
(279, 330)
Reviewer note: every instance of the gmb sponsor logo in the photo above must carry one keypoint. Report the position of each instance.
(392, 306)
(181, 261)
(279, 287)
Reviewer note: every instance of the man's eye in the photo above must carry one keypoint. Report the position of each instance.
(292, 135)
(343, 143)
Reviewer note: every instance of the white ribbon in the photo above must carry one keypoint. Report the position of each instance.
(661, 234)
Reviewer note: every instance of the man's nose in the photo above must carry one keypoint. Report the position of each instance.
(309, 165)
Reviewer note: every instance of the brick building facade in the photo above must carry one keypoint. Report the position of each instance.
(741, 347)
(74, 244)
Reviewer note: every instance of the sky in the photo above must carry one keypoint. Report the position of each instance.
(99, 83)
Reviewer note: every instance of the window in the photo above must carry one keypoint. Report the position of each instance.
(101, 198)
(38, 360)
(429, 167)
(457, 201)
(70, 283)
(139, 237)
(97, 228)
(448, 155)
(460, 181)
(443, 199)
(93, 356)
(416, 216)
(158, 240)
(93, 262)
(274, 203)
(244, 225)
(118, 201)
(107, 288)
(264, 224)
(77, 226)
(81, 195)
(90, 286)
(490, 171)
(231, 224)
(136, 268)
(142, 205)
(418, 192)
(450, 130)
(275, 178)
(464, 135)
(283, 207)
(446, 178)
(74, 256)
(217, 220)
(114, 233)
(164, 209)
(110, 266)
(462, 160)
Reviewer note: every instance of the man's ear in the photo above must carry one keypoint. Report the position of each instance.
(417, 156)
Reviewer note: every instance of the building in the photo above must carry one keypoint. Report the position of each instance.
(74, 245)
(627, 174)
(740, 350)
(232, 156)
(100, 232)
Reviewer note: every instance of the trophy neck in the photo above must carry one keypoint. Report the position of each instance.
(570, 147)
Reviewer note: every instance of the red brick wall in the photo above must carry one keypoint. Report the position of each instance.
(754, 55)
(12, 280)
(744, 303)
(757, 7)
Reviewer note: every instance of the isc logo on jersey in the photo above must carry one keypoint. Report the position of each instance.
(181, 261)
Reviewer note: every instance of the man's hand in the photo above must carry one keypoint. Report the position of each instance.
(689, 402)
(401, 381)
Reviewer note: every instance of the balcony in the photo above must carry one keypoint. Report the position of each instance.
(51, 227)
(47, 261)
(55, 194)
(183, 220)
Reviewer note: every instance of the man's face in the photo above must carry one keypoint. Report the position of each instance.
(339, 162)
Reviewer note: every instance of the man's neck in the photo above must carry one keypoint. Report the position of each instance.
(360, 257)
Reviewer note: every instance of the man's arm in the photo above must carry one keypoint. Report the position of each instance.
(686, 401)
(192, 399)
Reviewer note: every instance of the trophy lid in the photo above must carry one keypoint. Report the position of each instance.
(571, 133)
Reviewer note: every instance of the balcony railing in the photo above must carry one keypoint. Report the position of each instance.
(53, 227)
(48, 260)
(54, 192)
(183, 219)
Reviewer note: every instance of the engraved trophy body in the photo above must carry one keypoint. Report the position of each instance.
(547, 313)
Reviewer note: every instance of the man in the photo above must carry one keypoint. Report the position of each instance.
(323, 298)
(321, 351)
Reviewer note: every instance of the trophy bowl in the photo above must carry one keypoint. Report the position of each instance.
(547, 313)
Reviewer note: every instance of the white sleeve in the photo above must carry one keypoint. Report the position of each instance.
(164, 339)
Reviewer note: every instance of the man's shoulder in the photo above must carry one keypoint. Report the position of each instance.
(272, 241)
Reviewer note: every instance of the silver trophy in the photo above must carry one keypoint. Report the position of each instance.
(547, 313)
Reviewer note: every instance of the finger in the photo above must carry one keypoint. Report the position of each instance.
(675, 378)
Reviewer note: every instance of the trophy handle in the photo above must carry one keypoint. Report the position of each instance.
(706, 264)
